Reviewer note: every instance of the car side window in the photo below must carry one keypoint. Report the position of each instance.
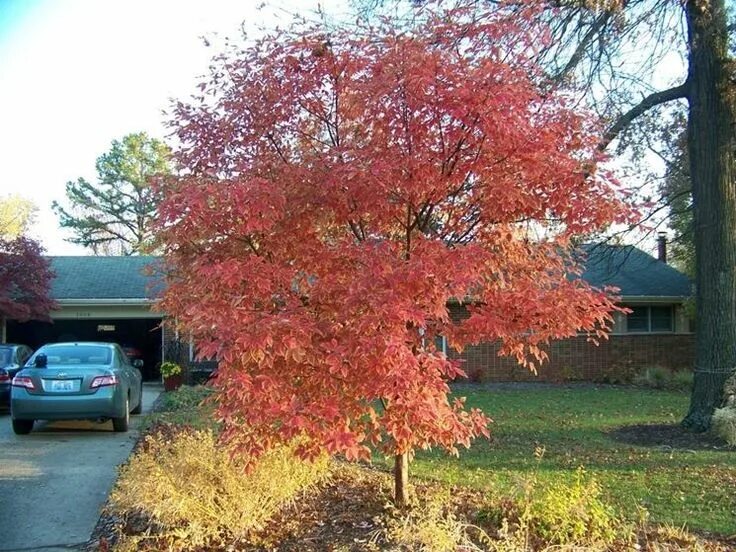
(124, 360)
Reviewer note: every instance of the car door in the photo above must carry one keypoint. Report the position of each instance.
(23, 354)
(18, 359)
(131, 375)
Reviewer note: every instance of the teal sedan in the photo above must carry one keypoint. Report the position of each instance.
(76, 381)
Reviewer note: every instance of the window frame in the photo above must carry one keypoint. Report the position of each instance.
(649, 329)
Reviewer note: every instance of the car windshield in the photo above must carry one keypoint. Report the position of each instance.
(75, 355)
(6, 353)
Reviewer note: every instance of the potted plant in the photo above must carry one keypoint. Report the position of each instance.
(171, 374)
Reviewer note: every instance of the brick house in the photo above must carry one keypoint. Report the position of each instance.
(658, 331)
(113, 299)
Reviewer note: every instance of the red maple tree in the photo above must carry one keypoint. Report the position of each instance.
(25, 280)
(340, 190)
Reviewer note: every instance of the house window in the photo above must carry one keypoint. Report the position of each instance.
(440, 342)
(650, 319)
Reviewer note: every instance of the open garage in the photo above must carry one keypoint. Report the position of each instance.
(140, 337)
(100, 299)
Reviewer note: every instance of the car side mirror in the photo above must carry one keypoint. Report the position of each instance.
(41, 361)
(138, 363)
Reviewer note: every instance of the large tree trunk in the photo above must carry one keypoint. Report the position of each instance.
(712, 149)
(401, 480)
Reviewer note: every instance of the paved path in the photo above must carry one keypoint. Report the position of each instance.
(54, 481)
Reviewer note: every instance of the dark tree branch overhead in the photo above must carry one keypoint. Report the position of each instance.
(582, 46)
(653, 100)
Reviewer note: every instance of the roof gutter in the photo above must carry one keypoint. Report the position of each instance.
(665, 299)
(105, 302)
(653, 298)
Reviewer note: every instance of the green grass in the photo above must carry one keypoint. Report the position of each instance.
(679, 487)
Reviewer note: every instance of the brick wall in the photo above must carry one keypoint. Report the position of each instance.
(614, 360)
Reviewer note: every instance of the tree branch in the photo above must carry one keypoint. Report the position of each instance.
(654, 99)
(577, 55)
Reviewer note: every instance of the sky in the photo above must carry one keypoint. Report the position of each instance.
(77, 74)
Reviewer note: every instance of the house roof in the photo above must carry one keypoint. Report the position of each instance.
(634, 272)
(102, 278)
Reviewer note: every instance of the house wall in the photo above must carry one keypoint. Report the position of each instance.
(615, 360)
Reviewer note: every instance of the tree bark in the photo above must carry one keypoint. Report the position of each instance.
(401, 480)
(712, 149)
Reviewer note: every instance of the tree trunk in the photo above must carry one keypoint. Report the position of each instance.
(401, 480)
(712, 149)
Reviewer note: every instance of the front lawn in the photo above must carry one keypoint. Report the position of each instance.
(692, 484)
(524, 490)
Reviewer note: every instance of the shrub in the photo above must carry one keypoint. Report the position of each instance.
(729, 388)
(433, 527)
(723, 424)
(184, 407)
(682, 380)
(563, 513)
(657, 377)
(195, 489)
(185, 398)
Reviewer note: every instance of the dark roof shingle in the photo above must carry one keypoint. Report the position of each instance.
(634, 272)
(102, 278)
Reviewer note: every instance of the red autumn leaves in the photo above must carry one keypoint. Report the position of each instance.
(340, 191)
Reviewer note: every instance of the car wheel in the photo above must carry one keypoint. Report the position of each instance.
(22, 427)
(121, 424)
(138, 409)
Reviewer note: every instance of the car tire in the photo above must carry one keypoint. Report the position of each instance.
(138, 409)
(22, 427)
(121, 424)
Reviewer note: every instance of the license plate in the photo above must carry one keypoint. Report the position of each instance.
(62, 385)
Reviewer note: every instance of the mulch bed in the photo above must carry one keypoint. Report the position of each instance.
(670, 436)
(345, 513)
(348, 512)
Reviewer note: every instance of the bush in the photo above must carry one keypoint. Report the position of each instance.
(432, 527)
(200, 494)
(682, 380)
(185, 398)
(563, 513)
(558, 513)
(657, 377)
(184, 407)
(723, 424)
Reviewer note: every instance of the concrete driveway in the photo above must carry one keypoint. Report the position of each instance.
(54, 481)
